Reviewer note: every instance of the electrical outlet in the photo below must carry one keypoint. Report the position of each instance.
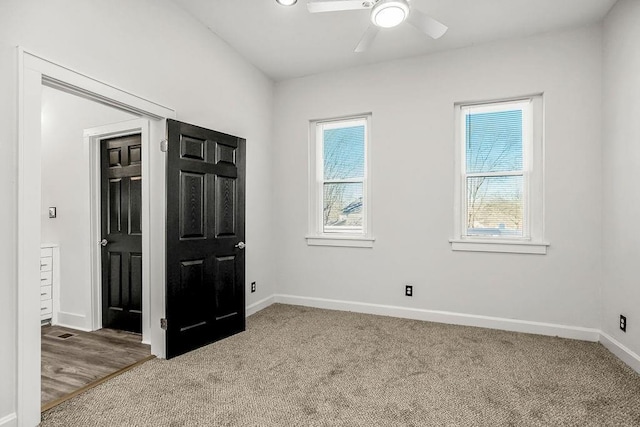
(623, 323)
(408, 290)
(253, 287)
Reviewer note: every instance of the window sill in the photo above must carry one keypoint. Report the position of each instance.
(341, 241)
(503, 246)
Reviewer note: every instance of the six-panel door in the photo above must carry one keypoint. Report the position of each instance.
(121, 210)
(205, 223)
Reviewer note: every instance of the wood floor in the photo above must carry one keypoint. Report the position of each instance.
(70, 363)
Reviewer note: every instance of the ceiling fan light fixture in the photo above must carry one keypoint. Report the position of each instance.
(389, 13)
(286, 2)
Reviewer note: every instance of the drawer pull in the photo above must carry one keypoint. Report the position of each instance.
(43, 293)
(43, 280)
(43, 308)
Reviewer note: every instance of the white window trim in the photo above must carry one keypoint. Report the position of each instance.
(533, 241)
(316, 235)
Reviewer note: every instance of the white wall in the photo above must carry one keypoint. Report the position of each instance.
(65, 185)
(621, 164)
(412, 102)
(153, 49)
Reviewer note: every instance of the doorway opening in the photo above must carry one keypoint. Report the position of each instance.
(94, 301)
(36, 73)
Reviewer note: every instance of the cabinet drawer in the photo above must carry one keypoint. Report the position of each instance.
(46, 263)
(45, 293)
(46, 252)
(45, 278)
(46, 307)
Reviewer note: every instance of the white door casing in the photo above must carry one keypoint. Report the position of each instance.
(34, 72)
(92, 140)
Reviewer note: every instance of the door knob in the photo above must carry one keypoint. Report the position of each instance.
(241, 245)
(104, 242)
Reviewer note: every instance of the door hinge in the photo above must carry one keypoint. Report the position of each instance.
(164, 145)
(163, 323)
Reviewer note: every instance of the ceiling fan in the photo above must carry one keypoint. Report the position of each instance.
(384, 14)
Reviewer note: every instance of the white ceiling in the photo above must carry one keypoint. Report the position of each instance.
(287, 42)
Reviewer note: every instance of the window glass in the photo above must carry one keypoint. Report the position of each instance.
(342, 208)
(494, 206)
(494, 141)
(493, 138)
(343, 153)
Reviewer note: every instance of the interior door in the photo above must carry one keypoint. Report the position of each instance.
(205, 297)
(121, 210)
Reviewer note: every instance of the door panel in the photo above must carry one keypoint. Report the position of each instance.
(113, 203)
(225, 205)
(205, 222)
(135, 276)
(225, 287)
(192, 205)
(115, 280)
(122, 228)
(135, 206)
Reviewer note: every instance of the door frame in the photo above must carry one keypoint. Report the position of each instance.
(33, 72)
(93, 138)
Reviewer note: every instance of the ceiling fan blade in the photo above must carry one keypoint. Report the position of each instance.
(367, 38)
(427, 24)
(315, 6)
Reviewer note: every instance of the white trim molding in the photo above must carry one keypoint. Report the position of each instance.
(341, 241)
(93, 137)
(259, 305)
(34, 72)
(452, 318)
(621, 351)
(9, 420)
(502, 246)
(513, 325)
(342, 236)
(532, 173)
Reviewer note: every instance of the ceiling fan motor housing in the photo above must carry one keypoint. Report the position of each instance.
(389, 13)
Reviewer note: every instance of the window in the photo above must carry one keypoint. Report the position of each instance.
(339, 185)
(499, 177)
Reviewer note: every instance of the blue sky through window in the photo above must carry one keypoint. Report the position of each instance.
(343, 153)
(494, 141)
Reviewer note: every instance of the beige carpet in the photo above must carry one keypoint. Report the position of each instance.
(297, 366)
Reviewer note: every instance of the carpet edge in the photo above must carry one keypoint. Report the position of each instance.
(621, 351)
(259, 305)
(452, 318)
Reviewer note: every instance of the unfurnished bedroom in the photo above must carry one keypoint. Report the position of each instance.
(319, 213)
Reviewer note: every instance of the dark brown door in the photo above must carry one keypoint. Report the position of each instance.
(205, 237)
(121, 176)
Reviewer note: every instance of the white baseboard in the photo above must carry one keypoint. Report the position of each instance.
(73, 321)
(623, 353)
(9, 420)
(525, 326)
(540, 328)
(259, 305)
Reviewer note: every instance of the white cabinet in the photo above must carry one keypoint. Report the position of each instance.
(48, 274)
